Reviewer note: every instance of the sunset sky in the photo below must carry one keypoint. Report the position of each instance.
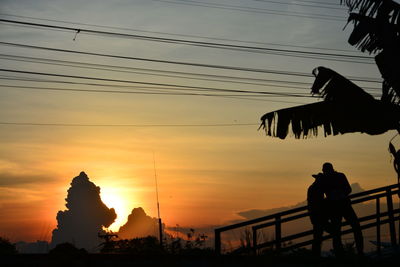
(211, 161)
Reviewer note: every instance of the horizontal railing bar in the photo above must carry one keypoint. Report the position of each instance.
(308, 232)
(309, 242)
(372, 191)
(257, 220)
(356, 201)
(288, 219)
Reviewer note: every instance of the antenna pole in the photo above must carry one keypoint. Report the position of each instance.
(158, 203)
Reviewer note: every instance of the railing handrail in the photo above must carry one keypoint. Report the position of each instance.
(308, 232)
(298, 209)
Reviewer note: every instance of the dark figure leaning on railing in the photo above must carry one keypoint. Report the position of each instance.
(337, 190)
(317, 206)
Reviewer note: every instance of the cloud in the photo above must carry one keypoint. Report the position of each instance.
(139, 225)
(85, 217)
(12, 180)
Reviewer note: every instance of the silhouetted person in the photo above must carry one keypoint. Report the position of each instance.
(318, 213)
(396, 160)
(337, 190)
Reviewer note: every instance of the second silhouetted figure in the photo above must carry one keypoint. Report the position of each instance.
(337, 190)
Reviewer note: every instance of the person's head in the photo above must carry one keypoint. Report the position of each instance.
(327, 168)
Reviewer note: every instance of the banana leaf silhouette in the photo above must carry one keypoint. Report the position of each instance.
(377, 29)
(346, 108)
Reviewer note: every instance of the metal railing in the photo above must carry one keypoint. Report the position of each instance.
(284, 243)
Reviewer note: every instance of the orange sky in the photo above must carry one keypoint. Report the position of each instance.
(206, 175)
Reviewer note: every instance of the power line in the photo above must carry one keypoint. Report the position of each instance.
(255, 10)
(127, 125)
(148, 92)
(176, 34)
(86, 65)
(120, 69)
(273, 51)
(15, 78)
(289, 84)
(150, 83)
(163, 92)
(316, 2)
(18, 78)
(277, 72)
(293, 3)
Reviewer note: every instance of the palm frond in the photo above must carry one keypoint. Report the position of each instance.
(376, 24)
(374, 8)
(334, 117)
(346, 109)
(304, 120)
(334, 87)
(373, 34)
(388, 62)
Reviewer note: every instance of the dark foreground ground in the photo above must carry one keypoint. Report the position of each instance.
(101, 260)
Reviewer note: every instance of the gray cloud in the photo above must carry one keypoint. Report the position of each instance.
(12, 180)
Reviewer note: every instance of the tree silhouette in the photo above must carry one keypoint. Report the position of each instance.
(347, 108)
(6, 247)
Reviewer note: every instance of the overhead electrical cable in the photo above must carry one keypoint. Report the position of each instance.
(275, 51)
(25, 79)
(256, 10)
(229, 96)
(293, 3)
(150, 83)
(181, 35)
(114, 68)
(121, 70)
(127, 125)
(277, 72)
(317, 2)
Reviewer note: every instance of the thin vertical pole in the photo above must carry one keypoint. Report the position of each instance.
(255, 241)
(217, 242)
(278, 233)
(392, 226)
(160, 231)
(378, 226)
(158, 203)
(398, 194)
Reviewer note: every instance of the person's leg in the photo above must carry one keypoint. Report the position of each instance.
(336, 222)
(352, 219)
(317, 240)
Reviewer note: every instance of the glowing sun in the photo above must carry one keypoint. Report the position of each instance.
(113, 198)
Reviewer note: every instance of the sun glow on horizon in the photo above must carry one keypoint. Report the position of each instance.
(113, 199)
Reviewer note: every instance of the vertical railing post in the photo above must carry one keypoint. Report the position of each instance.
(378, 226)
(217, 240)
(392, 227)
(255, 241)
(398, 216)
(278, 233)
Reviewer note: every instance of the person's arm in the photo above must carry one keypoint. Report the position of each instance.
(346, 185)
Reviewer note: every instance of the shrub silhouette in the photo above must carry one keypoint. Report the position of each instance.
(6, 247)
(67, 249)
(136, 246)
